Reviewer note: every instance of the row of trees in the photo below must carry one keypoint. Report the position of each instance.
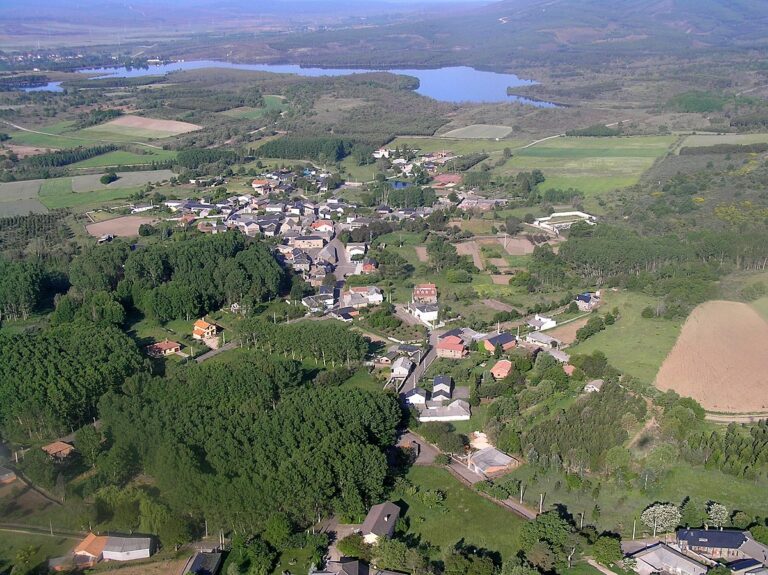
(66, 157)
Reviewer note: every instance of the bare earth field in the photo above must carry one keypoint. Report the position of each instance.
(421, 253)
(517, 246)
(500, 279)
(479, 131)
(719, 359)
(147, 127)
(471, 249)
(567, 333)
(26, 151)
(127, 226)
(168, 567)
(498, 305)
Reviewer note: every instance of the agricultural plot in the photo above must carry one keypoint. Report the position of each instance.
(20, 198)
(720, 360)
(127, 226)
(592, 165)
(703, 140)
(127, 127)
(125, 158)
(479, 131)
(248, 113)
(91, 182)
(466, 146)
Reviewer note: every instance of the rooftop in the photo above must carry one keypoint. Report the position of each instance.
(381, 519)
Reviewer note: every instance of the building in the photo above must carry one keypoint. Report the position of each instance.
(727, 544)
(542, 340)
(663, 558)
(417, 396)
(58, 450)
(362, 296)
(588, 301)
(127, 548)
(380, 522)
(426, 313)
(540, 322)
(424, 294)
(502, 369)
(442, 388)
(204, 330)
(89, 551)
(401, 368)
(6, 476)
(594, 386)
(451, 347)
(164, 348)
(204, 563)
(456, 411)
(559, 221)
(370, 265)
(322, 226)
(309, 242)
(356, 250)
(491, 462)
(504, 340)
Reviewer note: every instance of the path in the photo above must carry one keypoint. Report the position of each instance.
(421, 253)
(23, 129)
(32, 530)
(601, 568)
(648, 425)
(735, 417)
(214, 352)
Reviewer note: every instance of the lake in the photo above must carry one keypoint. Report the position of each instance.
(455, 84)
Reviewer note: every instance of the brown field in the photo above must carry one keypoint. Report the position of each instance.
(471, 249)
(170, 127)
(498, 305)
(567, 333)
(167, 567)
(127, 226)
(26, 151)
(517, 246)
(719, 359)
(500, 279)
(421, 253)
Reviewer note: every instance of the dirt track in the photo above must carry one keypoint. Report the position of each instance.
(720, 360)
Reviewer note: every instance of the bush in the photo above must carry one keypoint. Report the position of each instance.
(443, 459)
(647, 312)
(108, 178)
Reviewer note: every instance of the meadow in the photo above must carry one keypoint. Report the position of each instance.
(20, 198)
(463, 146)
(635, 345)
(126, 158)
(249, 113)
(702, 140)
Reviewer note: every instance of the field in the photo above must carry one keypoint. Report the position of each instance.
(141, 128)
(567, 333)
(592, 165)
(127, 226)
(45, 547)
(248, 113)
(702, 140)
(466, 146)
(464, 515)
(20, 198)
(125, 158)
(479, 131)
(633, 344)
(719, 359)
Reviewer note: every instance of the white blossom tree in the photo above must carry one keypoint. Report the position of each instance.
(661, 517)
(718, 514)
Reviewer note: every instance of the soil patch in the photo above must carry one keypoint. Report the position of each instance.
(421, 253)
(517, 246)
(168, 567)
(127, 226)
(26, 151)
(498, 305)
(471, 249)
(719, 359)
(170, 127)
(501, 279)
(567, 333)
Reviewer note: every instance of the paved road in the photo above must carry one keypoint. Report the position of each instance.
(214, 352)
(402, 314)
(427, 453)
(413, 379)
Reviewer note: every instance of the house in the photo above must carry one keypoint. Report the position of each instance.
(728, 544)
(370, 265)
(594, 386)
(451, 347)
(446, 180)
(540, 322)
(127, 548)
(204, 330)
(491, 462)
(345, 314)
(356, 250)
(424, 293)
(163, 348)
(380, 522)
(416, 396)
(588, 301)
(559, 355)
(442, 388)
(58, 450)
(746, 566)
(542, 340)
(425, 313)
(401, 368)
(663, 558)
(275, 208)
(90, 550)
(504, 340)
(322, 226)
(204, 563)
(6, 476)
(363, 296)
(309, 242)
(502, 369)
(455, 411)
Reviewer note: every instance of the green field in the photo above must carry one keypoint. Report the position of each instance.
(463, 515)
(20, 198)
(124, 158)
(479, 131)
(702, 140)
(248, 113)
(635, 345)
(466, 146)
(44, 546)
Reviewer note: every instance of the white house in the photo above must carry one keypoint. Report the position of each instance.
(456, 411)
(542, 340)
(441, 388)
(594, 386)
(356, 250)
(416, 396)
(540, 322)
(426, 313)
(401, 368)
(127, 548)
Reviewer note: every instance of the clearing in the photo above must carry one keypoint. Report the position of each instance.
(126, 158)
(498, 305)
(421, 253)
(719, 359)
(139, 127)
(479, 131)
(127, 226)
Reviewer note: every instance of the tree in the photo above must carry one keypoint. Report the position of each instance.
(717, 513)
(23, 560)
(329, 280)
(354, 546)
(88, 443)
(617, 458)
(108, 178)
(760, 533)
(277, 531)
(661, 517)
(607, 550)
(740, 520)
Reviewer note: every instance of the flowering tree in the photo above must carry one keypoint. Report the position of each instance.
(661, 517)
(718, 514)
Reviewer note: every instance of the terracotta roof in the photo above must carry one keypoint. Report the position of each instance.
(58, 449)
(92, 545)
(165, 345)
(202, 324)
(450, 340)
(502, 368)
(459, 347)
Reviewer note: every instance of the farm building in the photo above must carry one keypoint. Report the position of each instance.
(542, 340)
(90, 550)
(380, 522)
(490, 462)
(728, 544)
(504, 340)
(594, 386)
(563, 221)
(540, 322)
(127, 548)
(204, 563)
(588, 301)
(58, 449)
(663, 558)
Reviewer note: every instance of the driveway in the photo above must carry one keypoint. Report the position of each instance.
(427, 453)
(337, 532)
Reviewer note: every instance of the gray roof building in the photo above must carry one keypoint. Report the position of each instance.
(381, 520)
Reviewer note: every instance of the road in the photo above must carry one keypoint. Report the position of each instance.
(214, 352)
(427, 452)
(426, 360)
(344, 267)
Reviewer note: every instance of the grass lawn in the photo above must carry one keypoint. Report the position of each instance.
(463, 515)
(124, 158)
(761, 306)
(363, 380)
(45, 547)
(635, 345)
(57, 193)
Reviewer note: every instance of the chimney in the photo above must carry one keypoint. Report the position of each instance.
(386, 518)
